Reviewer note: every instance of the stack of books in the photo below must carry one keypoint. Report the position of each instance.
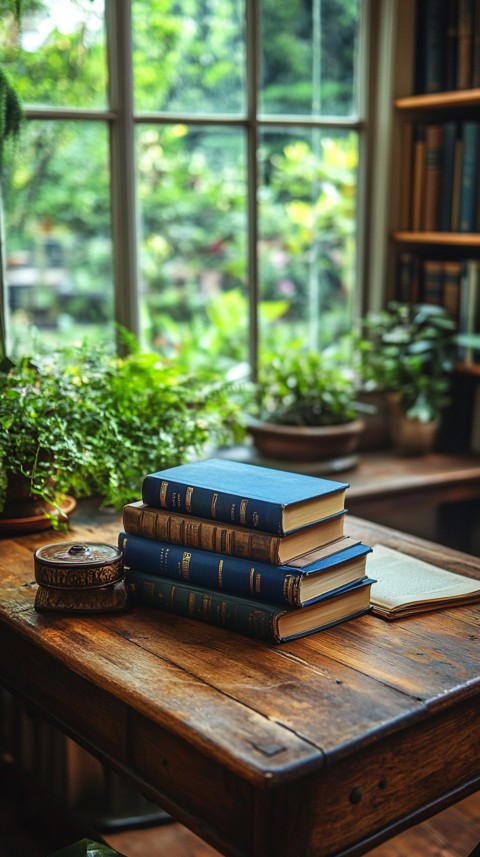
(253, 549)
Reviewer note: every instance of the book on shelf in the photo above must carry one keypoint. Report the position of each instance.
(457, 179)
(433, 151)
(407, 174)
(476, 45)
(405, 585)
(467, 217)
(433, 282)
(297, 583)
(451, 46)
(418, 187)
(448, 143)
(464, 44)
(259, 620)
(261, 498)
(142, 520)
(452, 273)
(430, 60)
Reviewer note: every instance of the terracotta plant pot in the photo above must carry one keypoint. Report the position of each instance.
(305, 443)
(410, 436)
(24, 512)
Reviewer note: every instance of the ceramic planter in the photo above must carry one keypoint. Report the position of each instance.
(410, 436)
(305, 443)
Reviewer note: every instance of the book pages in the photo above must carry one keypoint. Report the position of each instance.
(405, 585)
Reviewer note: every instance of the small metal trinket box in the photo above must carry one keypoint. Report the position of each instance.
(78, 577)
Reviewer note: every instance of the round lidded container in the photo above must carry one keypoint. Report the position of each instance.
(78, 565)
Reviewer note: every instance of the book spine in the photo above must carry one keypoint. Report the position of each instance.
(432, 282)
(213, 505)
(435, 45)
(451, 46)
(204, 568)
(205, 535)
(457, 178)
(449, 135)
(469, 177)
(406, 197)
(464, 44)
(476, 45)
(452, 272)
(418, 177)
(433, 144)
(214, 608)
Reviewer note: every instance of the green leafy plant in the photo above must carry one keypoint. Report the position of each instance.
(409, 350)
(305, 388)
(86, 422)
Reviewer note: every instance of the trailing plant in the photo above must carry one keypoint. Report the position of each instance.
(409, 350)
(97, 423)
(305, 388)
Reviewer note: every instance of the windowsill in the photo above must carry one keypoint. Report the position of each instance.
(383, 474)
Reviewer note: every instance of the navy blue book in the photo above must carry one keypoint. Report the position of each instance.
(257, 619)
(260, 498)
(296, 584)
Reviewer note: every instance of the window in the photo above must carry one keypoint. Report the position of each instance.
(189, 170)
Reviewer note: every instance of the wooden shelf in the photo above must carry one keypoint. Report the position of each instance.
(453, 239)
(439, 100)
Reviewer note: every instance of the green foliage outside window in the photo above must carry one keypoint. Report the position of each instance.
(192, 179)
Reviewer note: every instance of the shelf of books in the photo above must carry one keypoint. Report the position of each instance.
(437, 238)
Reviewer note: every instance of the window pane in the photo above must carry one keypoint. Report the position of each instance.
(58, 239)
(189, 56)
(307, 237)
(62, 61)
(192, 196)
(308, 54)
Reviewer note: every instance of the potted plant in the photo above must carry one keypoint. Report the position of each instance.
(305, 408)
(84, 422)
(408, 351)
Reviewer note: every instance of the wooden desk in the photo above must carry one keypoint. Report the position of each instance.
(321, 746)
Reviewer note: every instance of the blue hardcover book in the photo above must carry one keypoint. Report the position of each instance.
(260, 620)
(260, 498)
(296, 584)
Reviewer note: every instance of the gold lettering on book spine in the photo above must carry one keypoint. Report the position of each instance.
(213, 507)
(243, 511)
(291, 588)
(255, 581)
(220, 574)
(188, 499)
(163, 493)
(185, 567)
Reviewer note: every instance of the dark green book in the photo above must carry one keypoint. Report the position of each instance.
(469, 176)
(260, 620)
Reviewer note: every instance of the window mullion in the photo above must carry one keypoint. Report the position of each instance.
(252, 60)
(122, 153)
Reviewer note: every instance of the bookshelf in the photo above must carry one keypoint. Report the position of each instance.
(436, 116)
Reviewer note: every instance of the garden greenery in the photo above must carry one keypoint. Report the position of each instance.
(97, 423)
